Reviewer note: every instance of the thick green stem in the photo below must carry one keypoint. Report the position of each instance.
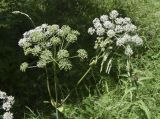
(93, 62)
(84, 75)
(55, 84)
(66, 45)
(49, 91)
(129, 66)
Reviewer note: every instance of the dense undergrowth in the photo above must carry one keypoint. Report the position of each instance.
(100, 96)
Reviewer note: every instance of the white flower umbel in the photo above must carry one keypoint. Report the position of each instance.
(108, 25)
(138, 40)
(7, 103)
(119, 30)
(82, 54)
(8, 115)
(3, 95)
(7, 106)
(104, 18)
(127, 20)
(128, 50)
(127, 38)
(24, 66)
(91, 30)
(65, 64)
(119, 21)
(113, 14)
(113, 33)
(62, 54)
(10, 99)
(96, 20)
(120, 42)
(50, 43)
(130, 28)
(100, 31)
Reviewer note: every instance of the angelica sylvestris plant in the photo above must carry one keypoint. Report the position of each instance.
(49, 45)
(7, 103)
(113, 35)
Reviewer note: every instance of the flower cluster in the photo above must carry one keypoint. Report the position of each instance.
(113, 30)
(82, 54)
(7, 103)
(112, 34)
(49, 43)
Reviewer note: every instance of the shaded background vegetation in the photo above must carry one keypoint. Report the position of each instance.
(29, 88)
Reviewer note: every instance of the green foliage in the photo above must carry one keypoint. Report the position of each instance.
(125, 101)
(113, 97)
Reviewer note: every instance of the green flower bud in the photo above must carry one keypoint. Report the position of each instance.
(75, 32)
(71, 38)
(37, 36)
(53, 29)
(27, 51)
(66, 29)
(46, 55)
(82, 54)
(36, 50)
(55, 41)
(24, 66)
(41, 63)
(65, 64)
(62, 54)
